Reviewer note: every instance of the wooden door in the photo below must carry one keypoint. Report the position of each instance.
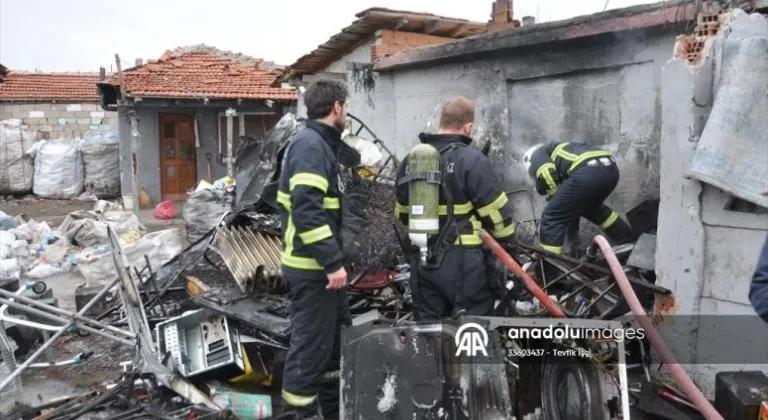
(178, 170)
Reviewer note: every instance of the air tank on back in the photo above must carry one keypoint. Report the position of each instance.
(423, 197)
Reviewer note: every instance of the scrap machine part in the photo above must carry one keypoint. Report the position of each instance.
(8, 365)
(202, 344)
(252, 257)
(268, 314)
(146, 359)
(413, 372)
(597, 388)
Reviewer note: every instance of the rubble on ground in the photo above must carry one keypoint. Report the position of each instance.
(160, 299)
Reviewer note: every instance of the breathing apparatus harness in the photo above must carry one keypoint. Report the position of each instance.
(433, 247)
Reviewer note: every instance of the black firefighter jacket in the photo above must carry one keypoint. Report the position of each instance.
(758, 291)
(478, 195)
(553, 163)
(310, 199)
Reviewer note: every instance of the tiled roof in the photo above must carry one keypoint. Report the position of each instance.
(49, 86)
(371, 20)
(204, 73)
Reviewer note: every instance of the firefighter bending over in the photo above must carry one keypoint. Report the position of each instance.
(577, 178)
(312, 260)
(443, 179)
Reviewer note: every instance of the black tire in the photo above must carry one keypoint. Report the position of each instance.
(39, 287)
(570, 390)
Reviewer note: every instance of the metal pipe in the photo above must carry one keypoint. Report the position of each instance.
(57, 318)
(24, 322)
(56, 336)
(376, 138)
(64, 312)
(691, 391)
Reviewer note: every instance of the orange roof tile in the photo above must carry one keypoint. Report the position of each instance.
(49, 86)
(204, 72)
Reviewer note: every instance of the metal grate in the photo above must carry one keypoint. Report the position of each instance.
(8, 364)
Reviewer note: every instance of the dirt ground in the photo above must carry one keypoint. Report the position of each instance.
(103, 367)
(41, 209)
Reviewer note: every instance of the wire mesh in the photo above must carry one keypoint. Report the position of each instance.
(8, 363)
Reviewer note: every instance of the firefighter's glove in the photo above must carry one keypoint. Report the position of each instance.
(510, 246)
(497, 273)
(353, 221)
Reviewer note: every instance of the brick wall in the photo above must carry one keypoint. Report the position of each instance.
(389, 41)
(60, 120)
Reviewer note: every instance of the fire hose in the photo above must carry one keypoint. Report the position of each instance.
(690, 389)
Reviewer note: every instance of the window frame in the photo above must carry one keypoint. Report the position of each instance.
(222, 150)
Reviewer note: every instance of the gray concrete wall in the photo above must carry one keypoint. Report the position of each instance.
(361, 54)
(60, 120)
(605, 92)
(705, 253)
(375, 107)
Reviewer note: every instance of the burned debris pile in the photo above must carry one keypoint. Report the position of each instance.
(212, 324)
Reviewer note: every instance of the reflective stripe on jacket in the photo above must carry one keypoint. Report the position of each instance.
(552, 164)
(309, 196)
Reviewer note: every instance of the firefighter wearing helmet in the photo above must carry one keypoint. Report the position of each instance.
(577, 178)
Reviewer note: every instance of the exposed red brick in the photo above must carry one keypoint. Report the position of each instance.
(692, 48)
(389, 42)
(203, 74)
(502, 17)
(409, 39)
(663, 306)
(49, 86)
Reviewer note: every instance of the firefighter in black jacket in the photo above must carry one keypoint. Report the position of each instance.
(312, 261)
(577, 178)
(758, 290)
(462, 278)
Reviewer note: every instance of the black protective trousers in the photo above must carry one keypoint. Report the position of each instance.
(582, 195)
(436, 289)
(311, 374)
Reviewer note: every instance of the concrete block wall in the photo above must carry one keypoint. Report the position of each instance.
(605, 92)
(60, 120)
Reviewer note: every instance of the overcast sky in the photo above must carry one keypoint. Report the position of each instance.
(82, 35)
